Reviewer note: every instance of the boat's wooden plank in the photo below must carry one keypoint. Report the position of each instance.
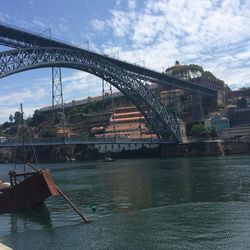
(50, 183)
(73, 206)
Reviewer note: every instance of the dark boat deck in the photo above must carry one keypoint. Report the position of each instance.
(34, 189)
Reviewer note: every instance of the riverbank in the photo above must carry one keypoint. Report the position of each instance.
(206, 148)
(92, 152)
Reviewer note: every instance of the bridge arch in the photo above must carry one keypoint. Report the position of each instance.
(19, 60)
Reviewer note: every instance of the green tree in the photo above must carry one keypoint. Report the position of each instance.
(47, 133)
(39, 117)
(73, 111)
(212, 132)
(17, 117)
(199, 131)
(227, 88)
(192, 71)
(11, 118)
(5, 125)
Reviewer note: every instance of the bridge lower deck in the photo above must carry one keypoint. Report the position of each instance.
(79, 141)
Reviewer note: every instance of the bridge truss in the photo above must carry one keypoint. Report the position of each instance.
(16, 38)
(19, 60)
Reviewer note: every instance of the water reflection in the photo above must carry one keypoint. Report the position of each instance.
(25, 219)
(130, 185)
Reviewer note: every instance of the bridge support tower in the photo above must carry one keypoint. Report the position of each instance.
(57, 98)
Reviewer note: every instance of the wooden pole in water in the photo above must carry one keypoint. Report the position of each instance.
(72, 205)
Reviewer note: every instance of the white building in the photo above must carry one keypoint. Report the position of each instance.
(119, 147)
(237, 133)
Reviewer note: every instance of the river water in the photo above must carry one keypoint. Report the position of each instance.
(175, 203)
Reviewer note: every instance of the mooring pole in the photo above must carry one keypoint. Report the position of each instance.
(72, 205)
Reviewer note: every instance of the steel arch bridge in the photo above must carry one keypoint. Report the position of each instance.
(37, 51)
(18, 60)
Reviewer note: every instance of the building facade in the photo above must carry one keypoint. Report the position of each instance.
(126, 122)
(218, 122)
(237, 133)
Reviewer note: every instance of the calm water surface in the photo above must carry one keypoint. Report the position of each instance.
(178, 203)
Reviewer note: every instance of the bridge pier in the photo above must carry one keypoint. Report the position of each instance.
(197, 108)
(221, 97)
(57, 98)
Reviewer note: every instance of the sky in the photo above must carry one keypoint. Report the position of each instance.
(212, 33)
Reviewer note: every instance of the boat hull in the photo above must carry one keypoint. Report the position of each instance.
(32, 190)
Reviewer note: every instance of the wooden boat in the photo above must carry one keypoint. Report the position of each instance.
(34, 189)
(26, 188)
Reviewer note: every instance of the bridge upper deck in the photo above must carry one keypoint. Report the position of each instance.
(18, 38)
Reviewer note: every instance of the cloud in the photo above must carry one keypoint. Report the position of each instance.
(4, 17)
(39, 24)
(4, 115)
(33, 97)
(118, 2)
(76, 85)
(81, 85)
(98, 25)
(211, 33)
(120, 23)
(34, 93)
(131, 4)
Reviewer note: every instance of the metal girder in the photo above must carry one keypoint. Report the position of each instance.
(19, 60)
(57, 97)
(11, 36)
(18, 38)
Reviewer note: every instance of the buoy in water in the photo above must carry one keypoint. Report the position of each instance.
(93, 208)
